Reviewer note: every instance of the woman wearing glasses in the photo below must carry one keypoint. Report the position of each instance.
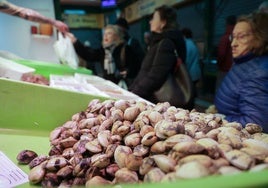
(243, 94)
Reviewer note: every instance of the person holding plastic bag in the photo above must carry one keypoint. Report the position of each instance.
(65, 51)
(112, 55)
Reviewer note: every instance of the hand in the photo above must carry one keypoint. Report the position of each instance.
(62, 27)
(211, 109)
(123, 74)
(71, 36)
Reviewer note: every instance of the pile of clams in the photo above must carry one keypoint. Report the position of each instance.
(118, 142)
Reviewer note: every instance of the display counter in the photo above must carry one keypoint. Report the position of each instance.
(39, 143)
(29, 112)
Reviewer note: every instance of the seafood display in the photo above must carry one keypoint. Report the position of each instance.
(35, 78)
(127, 141)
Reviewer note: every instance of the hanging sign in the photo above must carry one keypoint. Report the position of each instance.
(84, 21)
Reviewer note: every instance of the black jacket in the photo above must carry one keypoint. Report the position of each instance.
(137, 55)
(158, 63)
(97, 55)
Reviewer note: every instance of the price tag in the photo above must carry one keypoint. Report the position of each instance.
(10, 174)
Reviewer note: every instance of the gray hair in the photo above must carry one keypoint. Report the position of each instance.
(118, 31)
(258, 22)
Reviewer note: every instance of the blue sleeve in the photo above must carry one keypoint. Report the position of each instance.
(253, 100)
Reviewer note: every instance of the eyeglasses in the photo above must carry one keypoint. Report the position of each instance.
(241, 38)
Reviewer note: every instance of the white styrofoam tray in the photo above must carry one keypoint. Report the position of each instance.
(13, 70)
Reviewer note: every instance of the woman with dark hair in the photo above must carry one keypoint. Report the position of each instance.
(243, 94)
(160, 59)
(136, 52)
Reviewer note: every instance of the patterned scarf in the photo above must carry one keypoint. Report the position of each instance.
(109, 64)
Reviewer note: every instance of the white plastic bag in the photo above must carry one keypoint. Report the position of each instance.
(65, 51)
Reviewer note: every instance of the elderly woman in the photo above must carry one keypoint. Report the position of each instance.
(243, 94)
(112, 54)
(160, 59)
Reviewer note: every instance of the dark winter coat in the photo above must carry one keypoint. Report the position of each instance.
(137, 55)
(158, 63)
(97, 55)
(243, 94)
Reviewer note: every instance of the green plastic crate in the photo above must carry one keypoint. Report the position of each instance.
(37, 107)
(46, 68)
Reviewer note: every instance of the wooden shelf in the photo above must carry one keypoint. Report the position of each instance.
(38, 36)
